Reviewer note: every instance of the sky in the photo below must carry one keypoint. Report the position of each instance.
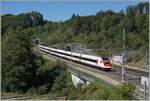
(63, 10)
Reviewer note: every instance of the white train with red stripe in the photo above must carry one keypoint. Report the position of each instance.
(101, 62)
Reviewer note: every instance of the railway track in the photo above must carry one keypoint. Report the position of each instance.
(116, 72)
(131, 76)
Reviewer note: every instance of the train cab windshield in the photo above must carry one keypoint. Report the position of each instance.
(106, 61)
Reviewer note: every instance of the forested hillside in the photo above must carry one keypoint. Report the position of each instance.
(102, 30)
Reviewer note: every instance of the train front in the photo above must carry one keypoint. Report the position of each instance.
(106, 63)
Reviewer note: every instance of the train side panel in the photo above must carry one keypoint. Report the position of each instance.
(84, 58)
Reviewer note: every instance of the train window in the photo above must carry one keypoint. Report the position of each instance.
(68, 49)
(106, 60)
(36, 42)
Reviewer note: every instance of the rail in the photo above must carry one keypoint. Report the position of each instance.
(100, 75)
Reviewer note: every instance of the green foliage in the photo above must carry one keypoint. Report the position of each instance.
(31, 90)
(96, 31)
(53, 97)
(62, 82)
(127, 91)
(16, 59)
(24, 71)
(101, 91)
(43, 89)
(25, 20)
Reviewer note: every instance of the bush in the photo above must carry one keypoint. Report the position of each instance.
(52, 97)
(126, 91)
(102, 91)
(73, 94)
(62, 81)
(42, 89)
(115, 96)
(32, 90)
(96, 90)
